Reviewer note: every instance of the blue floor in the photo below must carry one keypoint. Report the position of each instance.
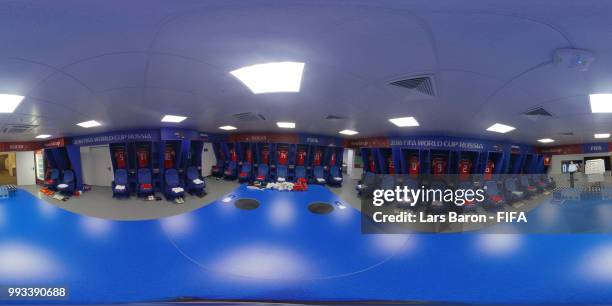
(281, 251)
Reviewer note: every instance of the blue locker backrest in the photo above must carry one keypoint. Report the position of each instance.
(172, 178)
(281, 171)
(318, 172)
(68, 176)
(192, 173)
(246, 167)
(369, 178)
(411, 183)
(144, 176)
(510, 184)
(491, 188)
(334, 171)
(388, 182)
(54, 174)
(262, 169)
(438, 185)
(121, 177)
(300, 172)
(525, 181)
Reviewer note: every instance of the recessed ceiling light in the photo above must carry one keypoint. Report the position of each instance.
(8, 103)
(286, 125)
(500, 128)
(271, 77)
(43, 136)
(602, 135)
(227, 127)
(546, 140)
(89, 124)
(404, 121)
(172, 118)
(601, 103)
(348, 132)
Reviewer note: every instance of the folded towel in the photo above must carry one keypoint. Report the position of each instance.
(177, 190)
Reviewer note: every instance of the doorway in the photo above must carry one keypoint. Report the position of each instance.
(97, 166)
(8, 168)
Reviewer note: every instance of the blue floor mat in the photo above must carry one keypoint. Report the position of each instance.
(282, 252)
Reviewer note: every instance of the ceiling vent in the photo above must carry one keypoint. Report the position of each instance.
(537, 113)
(334, 117)
(422, 84)
(567, 134)
(250, 116)
(18, 128)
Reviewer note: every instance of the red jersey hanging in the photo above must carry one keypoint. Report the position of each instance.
(317, 158)
(301, 158)
(413, 166)
(233, 155)
(488, 171)
(143, 158)
(249, 155)
(120, 159)
(265, 155)
(465, 168)
(169, 155)
(391, 165)
(371, 164)
(283, 157)
(439, 166)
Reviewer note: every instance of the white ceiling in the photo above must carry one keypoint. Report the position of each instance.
(127, 63)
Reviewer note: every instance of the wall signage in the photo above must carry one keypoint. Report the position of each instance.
(113, 137)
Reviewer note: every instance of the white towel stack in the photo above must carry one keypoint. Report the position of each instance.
(177, 190)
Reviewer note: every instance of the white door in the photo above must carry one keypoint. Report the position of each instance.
(350, 162)
(101, 166)
(208, 159)
(26, 172)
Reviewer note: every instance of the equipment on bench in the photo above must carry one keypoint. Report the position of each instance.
(67, 184)
(262, 173)
(195, 182)
(144, 182)
(52, 179)
(335, 176)
(245, 172)
(174, 190)
(318, 175)
(120, 184)
(494, 198)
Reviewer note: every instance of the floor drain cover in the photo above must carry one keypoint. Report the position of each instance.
(320, 208)
(247, 204)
